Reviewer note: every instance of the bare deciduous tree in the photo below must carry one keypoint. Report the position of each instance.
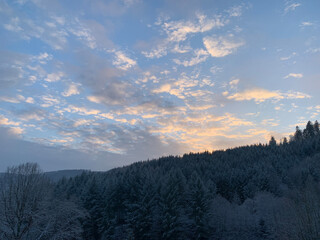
(28, 209)
(23, 187)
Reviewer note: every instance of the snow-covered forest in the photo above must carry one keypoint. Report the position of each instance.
(263, 191)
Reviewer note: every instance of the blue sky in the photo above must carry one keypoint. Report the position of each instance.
(100, 84)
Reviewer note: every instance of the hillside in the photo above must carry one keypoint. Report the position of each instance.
(58, 175)
(261, 191)
(251, 192)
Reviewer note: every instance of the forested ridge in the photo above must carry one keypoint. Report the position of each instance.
(263, 191)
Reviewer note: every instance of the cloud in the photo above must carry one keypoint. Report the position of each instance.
(9, 99)
(235, 11)
(31, 114)
(216, 69)
(306, 24)
(200, 56)
(27, 28)
(107, 83)
(178, 31)
(6, 121)
(42, 58)
(260, 95)
(313, 50)
(158, 52)
(54, 77)
(288, 57)
(84, 34)
(291, 7)
(81, 110)
(221, 46)
(11, 68)
(185, 86)
(294, 75)
(270, 122)
(122, 61)
(49, 101)
(200, 129)
(30, 100)
(181, 49)
(80, 122)
(234, 82)
(56, 157)
(71, 90)
(18, 99)
(16, 130)
(113, 8)
(13, 25)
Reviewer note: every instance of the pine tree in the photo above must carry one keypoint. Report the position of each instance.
(316, 128)
(298, 135)
(263, 232)
(140, 209)
(272, 142)
(171, 206)
(308, 132)
(199, 208)
(285, 141)
(94, 205)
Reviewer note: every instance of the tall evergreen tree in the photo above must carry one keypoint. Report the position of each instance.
(298, 136)
(199, 208)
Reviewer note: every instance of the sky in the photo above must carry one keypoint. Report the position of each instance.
(98, 84)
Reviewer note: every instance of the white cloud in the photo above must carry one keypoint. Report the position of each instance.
(221, 46)
(37, 115)
(95, 99)
(158, 52)
(163, 88)
(83, 33)
(54, 77)
(225, 93)
(234, 82)
(122, 61)
(235, 11)
(181, 49)
(260, 95)
(13, 25)
(291, 7)
(30, 100)
(80, 122)
(294, 75)
(49, 101)
(306, 24)
(16, 130)
(81, 110)
(16, 99)
(9, 99)
(5, 121)
(288, 57)
(42, 58)
(72, 90)
(178, 30)
(215, 69)
(313, 50)
(59, 20)
(200, 56)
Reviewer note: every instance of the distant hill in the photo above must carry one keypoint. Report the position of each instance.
(258, 192)
(262, 191)
(55, 176)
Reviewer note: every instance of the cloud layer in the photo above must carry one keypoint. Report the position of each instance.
(120, 81)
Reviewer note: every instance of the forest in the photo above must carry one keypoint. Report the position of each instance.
(262, 191)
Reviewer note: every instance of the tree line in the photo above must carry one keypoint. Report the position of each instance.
(262, 191)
